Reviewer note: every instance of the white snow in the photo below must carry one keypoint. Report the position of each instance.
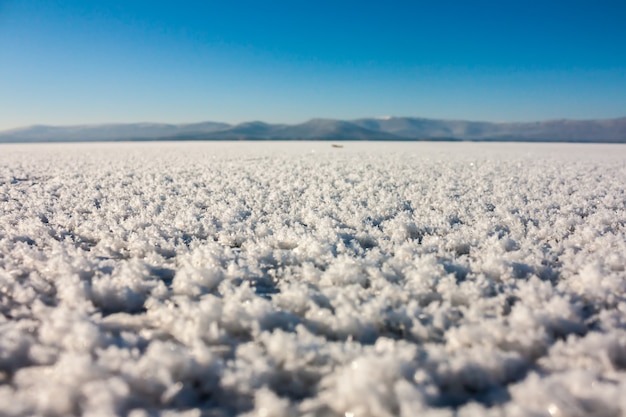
(299, 279)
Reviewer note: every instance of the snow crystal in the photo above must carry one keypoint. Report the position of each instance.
(285, 279)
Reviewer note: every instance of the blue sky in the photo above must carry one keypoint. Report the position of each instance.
(73, 62)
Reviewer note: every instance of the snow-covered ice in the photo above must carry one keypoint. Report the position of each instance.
(300, 279)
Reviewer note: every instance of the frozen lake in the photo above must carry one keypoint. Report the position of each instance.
(297, 278)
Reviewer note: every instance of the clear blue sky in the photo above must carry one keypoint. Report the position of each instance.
(79, 61)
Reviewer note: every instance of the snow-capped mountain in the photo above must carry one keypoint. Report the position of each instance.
(381, 128)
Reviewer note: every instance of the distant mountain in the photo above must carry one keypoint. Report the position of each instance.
(107, 132)
(387, 128)
(610, 130)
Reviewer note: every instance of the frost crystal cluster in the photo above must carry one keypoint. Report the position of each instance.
(300, 279)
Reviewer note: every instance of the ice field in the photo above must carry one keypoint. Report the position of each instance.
(301, 279)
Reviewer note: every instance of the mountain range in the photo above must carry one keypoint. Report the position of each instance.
(382, 128)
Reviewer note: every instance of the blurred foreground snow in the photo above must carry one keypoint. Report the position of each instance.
(284, 279)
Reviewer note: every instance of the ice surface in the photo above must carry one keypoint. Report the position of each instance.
(287, 279)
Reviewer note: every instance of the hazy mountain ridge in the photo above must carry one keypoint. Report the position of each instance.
(107, 132)
(388, 128)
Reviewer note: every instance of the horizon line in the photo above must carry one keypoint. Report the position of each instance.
(103, 124)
